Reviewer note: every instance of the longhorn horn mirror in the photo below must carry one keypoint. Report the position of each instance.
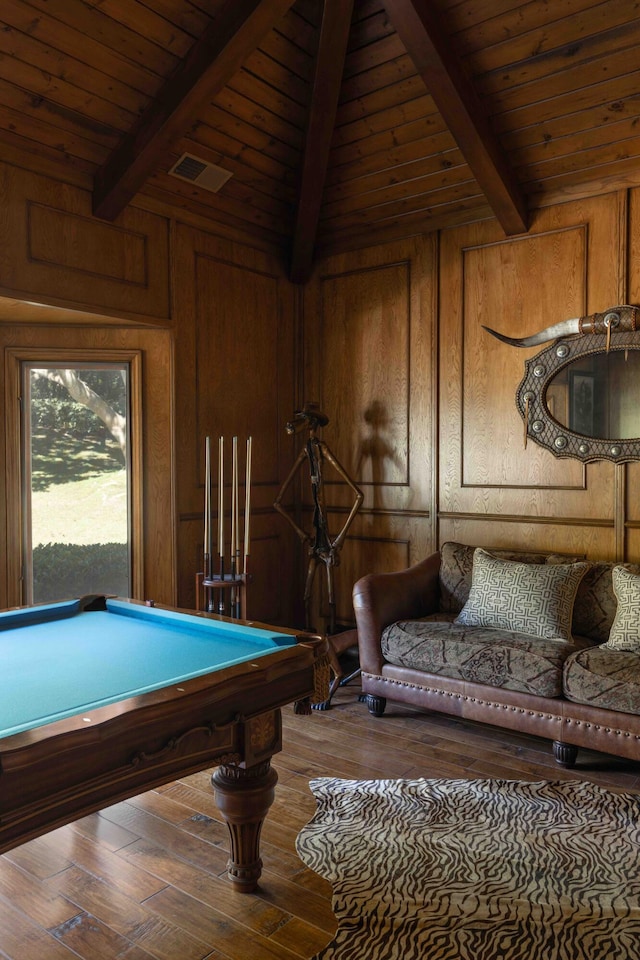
(580, 396)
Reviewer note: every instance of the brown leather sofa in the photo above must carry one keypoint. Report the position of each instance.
(436, 589)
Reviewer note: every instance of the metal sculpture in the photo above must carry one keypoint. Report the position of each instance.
(323, 549)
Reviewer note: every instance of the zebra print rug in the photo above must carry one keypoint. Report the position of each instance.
(477, 869)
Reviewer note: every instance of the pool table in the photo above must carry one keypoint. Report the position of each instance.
(101, 699)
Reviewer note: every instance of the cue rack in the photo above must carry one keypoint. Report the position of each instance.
(221, 587)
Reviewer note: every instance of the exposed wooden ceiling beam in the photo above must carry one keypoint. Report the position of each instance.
(229, 39)
(332, 48)
(418, 27)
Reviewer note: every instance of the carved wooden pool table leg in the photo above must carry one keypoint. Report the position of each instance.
(244, 795)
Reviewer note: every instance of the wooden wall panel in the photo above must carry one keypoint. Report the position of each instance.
(361, 555)
(574, 538)
(569, 264)
(52, 250)
(369, 360)
(238, 352)
(498, 282)
(632, 470)
(236, 375)
(632, 544)
(366, 327)
(437, 450)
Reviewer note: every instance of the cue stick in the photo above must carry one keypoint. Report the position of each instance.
(234, 501)
(206, 504)
(237, 518)
(207, 515)
(221, 496)
(233, 599)
(247, 507)
(221, 603)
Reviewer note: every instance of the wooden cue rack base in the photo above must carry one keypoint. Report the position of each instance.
(224, 595)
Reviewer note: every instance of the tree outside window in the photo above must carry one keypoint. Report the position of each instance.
(76, 452)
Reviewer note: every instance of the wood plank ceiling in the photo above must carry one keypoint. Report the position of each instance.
(342, 122)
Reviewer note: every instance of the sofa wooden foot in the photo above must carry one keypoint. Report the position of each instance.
(376, 705)
(565, 753)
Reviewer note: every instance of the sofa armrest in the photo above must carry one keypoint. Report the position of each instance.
(382, 598)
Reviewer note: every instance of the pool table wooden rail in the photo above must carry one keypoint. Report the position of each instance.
(54, 774)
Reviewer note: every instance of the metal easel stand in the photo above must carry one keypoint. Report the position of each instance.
(323, 550)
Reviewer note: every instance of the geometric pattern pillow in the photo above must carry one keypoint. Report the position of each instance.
(456, 571)
(528, 598)
(625, 630)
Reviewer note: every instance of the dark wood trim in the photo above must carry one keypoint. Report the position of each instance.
(334, 35)
(523, 519)
(419, 29)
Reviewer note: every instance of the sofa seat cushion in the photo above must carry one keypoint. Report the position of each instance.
(604, 677)
(499, 658)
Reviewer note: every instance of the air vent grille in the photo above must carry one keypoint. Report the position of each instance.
(203, 174)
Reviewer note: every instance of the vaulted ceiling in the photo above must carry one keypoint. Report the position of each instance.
(341, 122)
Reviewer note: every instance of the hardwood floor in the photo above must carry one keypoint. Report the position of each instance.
(145, 878)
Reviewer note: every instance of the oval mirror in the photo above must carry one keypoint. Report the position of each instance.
(598, 396)
(580, 400)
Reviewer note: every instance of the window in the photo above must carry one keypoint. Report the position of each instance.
(76, 483)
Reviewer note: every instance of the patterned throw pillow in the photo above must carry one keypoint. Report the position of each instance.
(625, 630)
(528, 598)
(456, 569)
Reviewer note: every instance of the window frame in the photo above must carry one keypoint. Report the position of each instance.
(15, 358)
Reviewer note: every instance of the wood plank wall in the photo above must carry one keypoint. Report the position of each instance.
(369, 359)
(628, 510)
(388, 340)
(491, 488)
(471, 478)
(52, 250)
(70, 282)
(218, 336)
(236, 375)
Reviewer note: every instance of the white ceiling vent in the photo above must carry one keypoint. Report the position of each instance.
(205, 175)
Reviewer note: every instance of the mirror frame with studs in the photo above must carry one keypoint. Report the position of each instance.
(614, 330)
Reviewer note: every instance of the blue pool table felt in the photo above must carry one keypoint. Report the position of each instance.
(56, 662)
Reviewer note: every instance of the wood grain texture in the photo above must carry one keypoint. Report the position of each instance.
(216, 55)
(462, 108)
(236, 366)
(94, 90)
(370, 337)
(332, 44)
(497, 291)
(52, 248)
(145, 878)
(438, 452)
(570, 260)
(366, 326)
